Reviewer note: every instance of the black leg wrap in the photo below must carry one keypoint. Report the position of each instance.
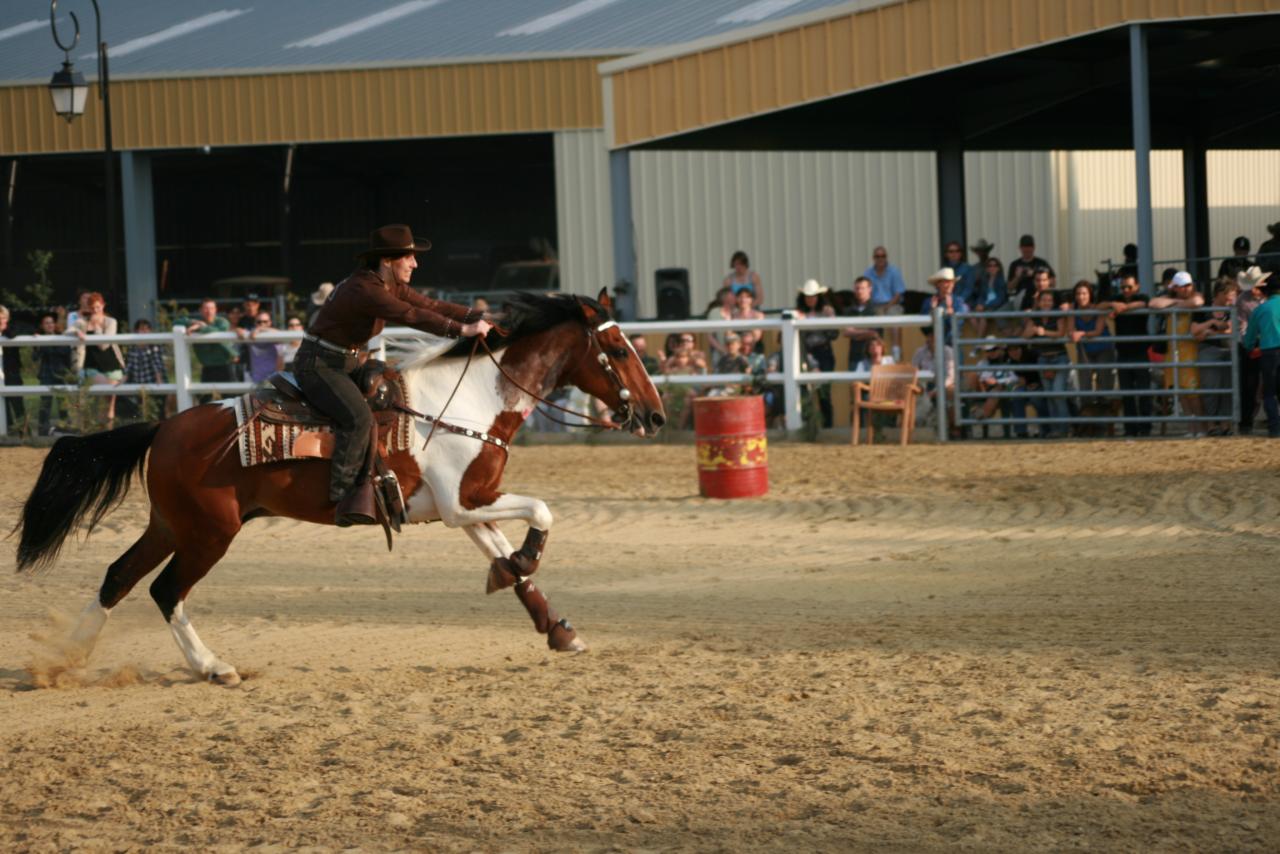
(529, 555)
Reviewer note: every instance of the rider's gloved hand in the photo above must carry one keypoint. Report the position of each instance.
(480, 327)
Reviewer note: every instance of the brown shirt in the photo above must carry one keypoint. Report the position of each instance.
(362, 304)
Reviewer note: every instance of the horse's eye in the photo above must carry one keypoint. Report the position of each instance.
(620, 353)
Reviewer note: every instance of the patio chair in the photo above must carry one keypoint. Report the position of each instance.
(892, 389)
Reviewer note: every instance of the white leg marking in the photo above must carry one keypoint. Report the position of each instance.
(85, 634)
(199, 656)
(489, 539)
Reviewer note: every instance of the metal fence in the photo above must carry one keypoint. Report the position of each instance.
(792, 377)
(1013, 414)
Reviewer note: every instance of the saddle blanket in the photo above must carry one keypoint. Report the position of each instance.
(262, 439)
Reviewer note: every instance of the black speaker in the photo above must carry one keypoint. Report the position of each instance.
(672, 286)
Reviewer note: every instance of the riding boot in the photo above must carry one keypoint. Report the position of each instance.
(357, 507)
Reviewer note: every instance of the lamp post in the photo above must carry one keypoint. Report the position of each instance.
(69, 91)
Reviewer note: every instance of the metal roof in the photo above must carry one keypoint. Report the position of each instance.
(180, 38)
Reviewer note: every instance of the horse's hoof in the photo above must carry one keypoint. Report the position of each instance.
(500, 575)
(230, 679)
(563, 638)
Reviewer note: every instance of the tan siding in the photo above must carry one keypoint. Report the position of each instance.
(870, 47)
(330, 106)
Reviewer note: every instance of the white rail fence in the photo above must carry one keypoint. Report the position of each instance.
(185, 388)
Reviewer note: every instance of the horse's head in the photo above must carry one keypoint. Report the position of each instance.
(612, 371)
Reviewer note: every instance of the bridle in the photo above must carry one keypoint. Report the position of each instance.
(627, 414)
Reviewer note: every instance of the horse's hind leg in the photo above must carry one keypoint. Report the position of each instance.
(191, 563)
(560, 635)
(143, 556)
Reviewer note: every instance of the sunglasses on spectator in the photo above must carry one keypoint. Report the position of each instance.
(879, 255)
(263, 322)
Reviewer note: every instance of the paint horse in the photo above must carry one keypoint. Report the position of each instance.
(201, 495)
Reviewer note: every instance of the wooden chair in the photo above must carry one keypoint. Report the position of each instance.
(892, 389)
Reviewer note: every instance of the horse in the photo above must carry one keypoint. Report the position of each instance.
(201, 495)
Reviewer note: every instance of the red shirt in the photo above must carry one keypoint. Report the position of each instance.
(362, 304)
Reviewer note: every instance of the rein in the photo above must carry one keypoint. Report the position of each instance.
(597, 422)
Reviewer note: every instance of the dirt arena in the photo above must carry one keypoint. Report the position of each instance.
(980, 647)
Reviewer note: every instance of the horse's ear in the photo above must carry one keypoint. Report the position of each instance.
(604, 300)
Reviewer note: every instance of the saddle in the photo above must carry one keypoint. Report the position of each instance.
(276, 423)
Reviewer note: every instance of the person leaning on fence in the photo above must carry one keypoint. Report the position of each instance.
(265, 358)
(990, 294)
(813, 300)
(861, 306)
(98, 364)
(53, 367)
(15, 411)
(1264, 333)
(1029, 385)
(944, 284)
(720, 308)
(143, 365)
(1138, 377)
(1182, 294)
(1047, 332)
(1252, 293)
(217, 360)
(923, 360)
(1204, 325)
(995, 377)
(290, 348)
(1092, 337)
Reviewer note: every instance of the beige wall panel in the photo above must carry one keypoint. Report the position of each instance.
(1244, 197)
(689, 109)
(1053, 20)
(868, 65)
(316, 107)
(892, 27)
(945, 31)
(845, 57)
(715, 86)
(583, 214)
(918, 36)
(793, 67)
(764, 74)
(738, 79)
(816, 58)
(662, 105)
(797, 214)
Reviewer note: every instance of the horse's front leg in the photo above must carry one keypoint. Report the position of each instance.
(505, 565)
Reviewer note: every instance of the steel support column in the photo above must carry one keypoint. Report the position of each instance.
(1141, 99)
(624, 243)
(1195, 206)
(951, 214)
(139, 235)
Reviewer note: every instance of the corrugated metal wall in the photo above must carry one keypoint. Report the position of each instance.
(583, 215)
(803, 214)
(797, 215)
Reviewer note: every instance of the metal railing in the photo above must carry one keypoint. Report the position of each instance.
(1034, 397)
(792, 377)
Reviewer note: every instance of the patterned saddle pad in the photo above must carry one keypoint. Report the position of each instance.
(270, 431)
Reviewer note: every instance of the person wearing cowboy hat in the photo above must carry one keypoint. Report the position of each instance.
(814, 300)
(318, 298)
(944, 283)
(1264, 333)
(375, 294)
(1252, 292)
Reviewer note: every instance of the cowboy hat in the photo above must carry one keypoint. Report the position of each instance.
(946, 274)
(1251, 278)
(1274, 229)
(982, 245)
(813, 288)
(392, 241)
(321, 294)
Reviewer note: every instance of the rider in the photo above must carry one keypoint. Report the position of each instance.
(356, 310)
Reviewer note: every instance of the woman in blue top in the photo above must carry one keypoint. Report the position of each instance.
(1090, 335)
(990, 294)
(743, 278)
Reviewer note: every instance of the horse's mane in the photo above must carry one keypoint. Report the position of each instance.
(523, 315)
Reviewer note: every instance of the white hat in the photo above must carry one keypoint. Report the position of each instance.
(1252, 278)
(321, 293)
(991, 343)
(812, 288)
(1181, 279)
(946, 274)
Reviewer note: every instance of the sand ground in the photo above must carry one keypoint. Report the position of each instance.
(978, 647)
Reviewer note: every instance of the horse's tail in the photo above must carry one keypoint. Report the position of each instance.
(82, 476)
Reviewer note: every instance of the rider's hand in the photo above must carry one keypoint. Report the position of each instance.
(480, 327)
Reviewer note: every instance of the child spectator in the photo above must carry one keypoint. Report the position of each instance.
(1205, 324)
(732, 361)
(876, 354)
(143, 365)
(53, 367)
(744, 309)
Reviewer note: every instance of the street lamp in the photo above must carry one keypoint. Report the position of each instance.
(69, 92)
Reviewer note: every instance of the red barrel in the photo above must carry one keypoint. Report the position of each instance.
(733, 455)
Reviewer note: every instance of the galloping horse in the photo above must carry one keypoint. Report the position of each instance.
(201, 495)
